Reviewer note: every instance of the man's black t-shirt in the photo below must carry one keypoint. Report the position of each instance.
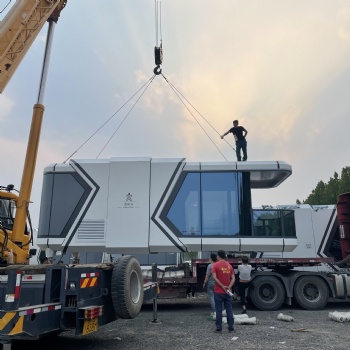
(237, 132)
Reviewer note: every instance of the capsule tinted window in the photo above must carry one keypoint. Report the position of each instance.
(220, 203)
(207, 204)
(184, 212)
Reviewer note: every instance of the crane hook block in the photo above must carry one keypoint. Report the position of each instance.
(158, 55)
(157, 70)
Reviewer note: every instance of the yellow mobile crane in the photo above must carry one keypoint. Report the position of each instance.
(18, 30)
(46, 299)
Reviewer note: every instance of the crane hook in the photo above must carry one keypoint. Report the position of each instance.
(157, 70)
(158, 59)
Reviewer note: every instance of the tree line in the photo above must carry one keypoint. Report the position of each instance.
(327, 193)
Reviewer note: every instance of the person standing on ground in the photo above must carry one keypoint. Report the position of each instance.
(239, 133)
(245, 271)
(224, 277)
(209, 284)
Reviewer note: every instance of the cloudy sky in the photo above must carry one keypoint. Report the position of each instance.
(281, 67)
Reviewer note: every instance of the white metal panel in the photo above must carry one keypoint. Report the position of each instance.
(284, 165)
(257, 165)
(313, 226)
(93, 173)
(304, 230)
(193, 244)
(128, 205)
(262, 244)
(224, 243)
(290, 244)
(97, 171)
(323, 220)
(49, 168)
(219, 166)
(192, 166)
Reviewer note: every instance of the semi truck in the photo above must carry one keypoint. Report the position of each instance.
(316, 272)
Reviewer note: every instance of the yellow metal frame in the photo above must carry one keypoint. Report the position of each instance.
(17, 32)
(18, 237)
(19, 253)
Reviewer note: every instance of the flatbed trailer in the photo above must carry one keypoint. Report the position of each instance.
(274, 282)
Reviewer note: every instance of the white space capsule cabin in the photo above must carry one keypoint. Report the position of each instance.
(147, 205)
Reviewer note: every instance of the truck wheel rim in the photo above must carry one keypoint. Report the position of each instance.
(267, 292)
(311, 292)
(135, 288)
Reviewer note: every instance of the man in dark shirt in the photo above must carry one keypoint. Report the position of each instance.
(239, 134)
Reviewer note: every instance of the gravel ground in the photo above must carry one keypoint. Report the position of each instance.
(185, 324)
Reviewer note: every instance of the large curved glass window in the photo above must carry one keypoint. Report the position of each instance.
(211, 204)
(185, 210)
(220, 203)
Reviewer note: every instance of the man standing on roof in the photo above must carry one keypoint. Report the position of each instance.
(224, 277)
(239, 133)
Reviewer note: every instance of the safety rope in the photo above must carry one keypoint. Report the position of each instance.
(145, 86)
(158, 55)
(112, 116)
(133, 106)
(198, 112)
(179, 96)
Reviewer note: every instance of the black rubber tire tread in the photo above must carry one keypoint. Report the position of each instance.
(311, 304)
(124, 268)
(276, 285)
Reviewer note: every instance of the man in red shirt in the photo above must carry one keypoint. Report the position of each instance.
(224, 277)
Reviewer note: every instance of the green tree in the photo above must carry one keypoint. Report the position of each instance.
(327, 193)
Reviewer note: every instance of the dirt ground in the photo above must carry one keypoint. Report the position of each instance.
(185, 324)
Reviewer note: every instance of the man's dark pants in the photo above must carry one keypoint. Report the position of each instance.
(227, 301)
(241, 145)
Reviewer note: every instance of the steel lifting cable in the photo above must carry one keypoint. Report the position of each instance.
(179, 96)
(149, 83)
(158, 55)
(113, 115)
(158, 19)
(198, 112)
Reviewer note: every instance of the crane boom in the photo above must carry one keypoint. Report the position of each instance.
(19, 29)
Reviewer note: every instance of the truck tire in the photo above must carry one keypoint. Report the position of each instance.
(127, 287)
(267, 293)
(311, 292)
